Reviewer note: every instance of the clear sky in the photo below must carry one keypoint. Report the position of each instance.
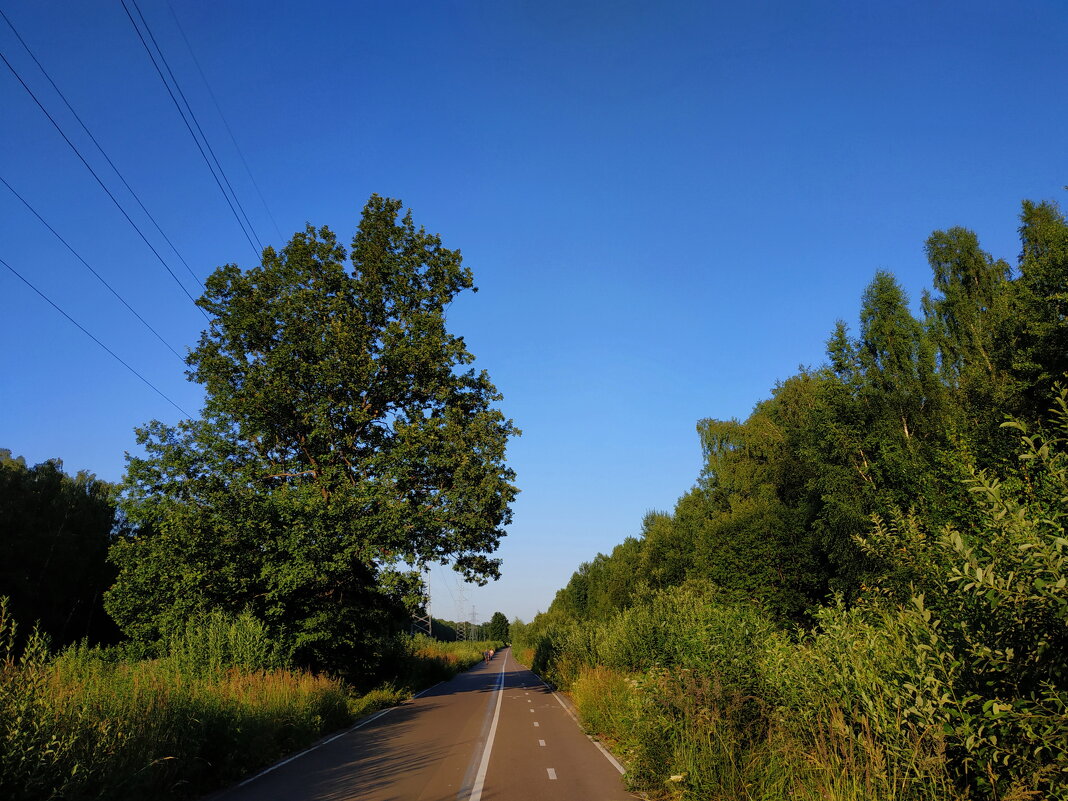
(666, 205)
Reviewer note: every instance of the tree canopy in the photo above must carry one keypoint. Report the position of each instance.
(497, 628)
(899, 416)
(905, 504)
(344, 439)
(55, 536)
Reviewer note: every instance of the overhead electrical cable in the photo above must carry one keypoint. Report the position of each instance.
(99, 146)
(103, 186)
(82, 328)
(222, 117)
(99, 277)
(196, 140)
(445, 582)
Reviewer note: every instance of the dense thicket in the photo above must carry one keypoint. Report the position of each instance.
(55, 531)
(888, 480)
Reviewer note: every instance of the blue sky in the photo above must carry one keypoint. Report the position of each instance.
(666, 205)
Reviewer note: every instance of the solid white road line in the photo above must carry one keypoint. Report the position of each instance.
(607, 754)
(480, 778)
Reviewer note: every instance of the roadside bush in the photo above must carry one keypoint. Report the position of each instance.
(718, 704)
(88, 724)
(856, 710)
(215, 641)
(993, 604)
(947, 678)
(684, 627)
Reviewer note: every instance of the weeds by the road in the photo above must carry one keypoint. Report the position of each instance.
(215, 705)
(705, 700)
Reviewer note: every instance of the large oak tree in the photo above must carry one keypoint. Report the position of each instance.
(344, 438)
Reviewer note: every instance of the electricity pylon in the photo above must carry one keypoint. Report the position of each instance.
(461, 625)
(422, 622)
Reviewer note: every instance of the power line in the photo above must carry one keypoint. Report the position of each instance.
(99, 277)
(103, 186)
(222, 117)
(182, 113)
(98, 146)
(97, 341)
(445, 583)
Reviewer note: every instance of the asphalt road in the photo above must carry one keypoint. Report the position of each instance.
(494, 733)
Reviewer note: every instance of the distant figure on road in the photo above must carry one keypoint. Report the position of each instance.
(491, 652)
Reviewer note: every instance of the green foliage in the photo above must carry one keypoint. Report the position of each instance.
(715, 702)
(891, 409)
(1035, 337)
(215, 642)
(899, 416)
(750, 538)
(887, 482)
(947, 679)
(995, 601)
(212, 705)
(57, 530)
(498, 627)
(599, 588)
(90, 724)
(970, 284)
(343, 437)
(33, 754)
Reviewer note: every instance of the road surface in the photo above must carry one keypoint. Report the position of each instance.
(494, 733)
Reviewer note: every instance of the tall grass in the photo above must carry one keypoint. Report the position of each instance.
(706, 700)
(90, 724)
(211, 703)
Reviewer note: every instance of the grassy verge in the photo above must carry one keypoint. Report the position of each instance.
(706, 700)
(102, 723)
(84, 725)
(430, 661)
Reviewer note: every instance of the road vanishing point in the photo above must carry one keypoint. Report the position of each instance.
(494, 733)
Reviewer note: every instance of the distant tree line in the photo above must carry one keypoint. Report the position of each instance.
(449, 630)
